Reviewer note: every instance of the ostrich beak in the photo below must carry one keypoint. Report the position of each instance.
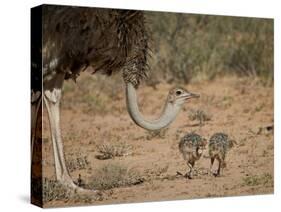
(191, 95)
(194, 95)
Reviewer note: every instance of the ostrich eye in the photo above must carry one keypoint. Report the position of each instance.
(178, 92)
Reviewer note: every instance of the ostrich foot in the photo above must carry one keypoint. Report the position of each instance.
(68, 183)
(77, 191)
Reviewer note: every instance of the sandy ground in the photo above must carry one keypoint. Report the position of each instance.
(242, 108)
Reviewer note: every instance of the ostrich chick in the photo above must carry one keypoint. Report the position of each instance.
(191, 146)
(219, 145)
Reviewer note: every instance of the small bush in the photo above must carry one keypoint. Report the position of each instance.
(254, 180)
(156, 134)
(199, 115)
(53, 190)
(114, 175)
(108, 151)
(77, 162)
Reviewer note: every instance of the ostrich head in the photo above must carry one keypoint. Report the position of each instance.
(178, 96)
(175, 100)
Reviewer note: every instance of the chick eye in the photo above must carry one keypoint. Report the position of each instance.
(178, 92)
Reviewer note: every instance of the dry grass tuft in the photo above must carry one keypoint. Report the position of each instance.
(53, 190)
(77, 162)
(108, 151)
(157, 134)
(114, 175)
(254, 180)
(199, 115)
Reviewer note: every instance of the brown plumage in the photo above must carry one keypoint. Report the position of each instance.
(107, 40)
(219, 145)
(103, 40)
(191, 146)
(68, 40)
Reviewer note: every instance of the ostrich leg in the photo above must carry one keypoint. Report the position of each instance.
(36, 100)
(52, 97)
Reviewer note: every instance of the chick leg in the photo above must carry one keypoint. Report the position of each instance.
(190, 173)
(211, 165)
(219, 168)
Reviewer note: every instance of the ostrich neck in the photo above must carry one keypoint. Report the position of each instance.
(167, 116)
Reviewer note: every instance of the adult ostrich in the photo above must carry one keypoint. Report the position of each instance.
(107, 40)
